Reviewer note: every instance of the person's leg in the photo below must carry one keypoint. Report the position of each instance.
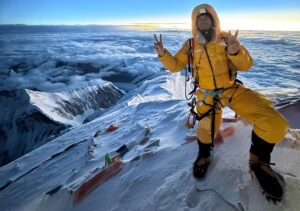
(204, 139)
(256, 108)
(204, 130)
(269, 128)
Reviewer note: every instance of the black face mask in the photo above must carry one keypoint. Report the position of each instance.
(207, 33)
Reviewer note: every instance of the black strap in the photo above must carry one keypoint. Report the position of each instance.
(238, 81)
(194, 89)
(202, 115)
(211, 68)
(213, 121)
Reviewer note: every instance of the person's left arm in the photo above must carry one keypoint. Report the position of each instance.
(236, 52)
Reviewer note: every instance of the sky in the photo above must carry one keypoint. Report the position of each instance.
(255, 14)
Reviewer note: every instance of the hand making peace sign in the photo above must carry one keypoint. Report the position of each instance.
(233, 45)
(159, 47)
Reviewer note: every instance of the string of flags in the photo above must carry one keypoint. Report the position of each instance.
(113, 163)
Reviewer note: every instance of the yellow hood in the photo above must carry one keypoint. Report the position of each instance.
(196, 34)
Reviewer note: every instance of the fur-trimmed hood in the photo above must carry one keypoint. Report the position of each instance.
(209, 9)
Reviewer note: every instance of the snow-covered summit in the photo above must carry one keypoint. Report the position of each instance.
(161, 179)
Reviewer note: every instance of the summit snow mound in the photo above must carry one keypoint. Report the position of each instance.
(160, 179)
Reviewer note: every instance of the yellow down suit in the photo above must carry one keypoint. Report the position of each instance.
(252, 106)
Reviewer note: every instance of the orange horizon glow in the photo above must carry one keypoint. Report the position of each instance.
(266, 22)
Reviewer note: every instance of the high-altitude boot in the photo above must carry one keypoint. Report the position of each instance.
(270, 181)
(203, 159)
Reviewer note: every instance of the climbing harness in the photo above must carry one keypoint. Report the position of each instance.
(215, 106)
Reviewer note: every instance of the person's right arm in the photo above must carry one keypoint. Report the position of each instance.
(173, 63)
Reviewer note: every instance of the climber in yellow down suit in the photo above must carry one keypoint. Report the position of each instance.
(212, 51)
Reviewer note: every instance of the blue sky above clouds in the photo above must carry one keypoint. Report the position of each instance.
(279, 14)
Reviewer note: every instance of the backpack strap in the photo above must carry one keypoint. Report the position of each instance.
(191, 46)
(191, 52)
